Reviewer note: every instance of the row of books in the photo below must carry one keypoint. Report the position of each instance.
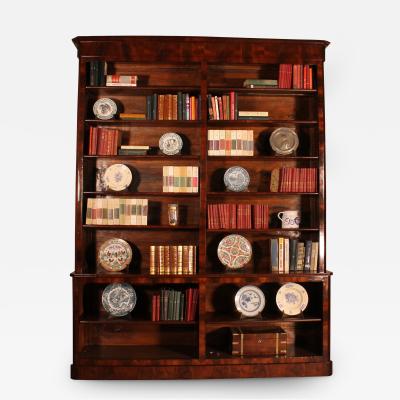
(230, 142)
(290, 255)
(175, 305)
(180, 106)
(97, 71)
(260, 83)
(294, 180)
(103, 141)
(121, 80)
(173, 260)
(177, 179)
(238, 216)
(223, 107)
(296, 76)
(116, 211)
(132, 150)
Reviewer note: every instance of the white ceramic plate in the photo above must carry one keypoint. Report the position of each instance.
(250, 301)
(170, 143)
(119, 299)
(117, 177)
(105, 108)
(236, 179)
(292, 299)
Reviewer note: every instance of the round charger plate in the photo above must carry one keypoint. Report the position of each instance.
(236, 179)
(234, 251)
(115, 255)
(250, 301)
(284, 141)
(292, 299)
(117, 177)
(104, 108)
(170, 143)
(119, 299)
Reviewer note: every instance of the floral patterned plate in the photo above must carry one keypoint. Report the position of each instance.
(117, 177)
(292, 299)
(170, 143)
(115, 255)
(236, 179)
(104, 108)
(234, 251)
(119, 299)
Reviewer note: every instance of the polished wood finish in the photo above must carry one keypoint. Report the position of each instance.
(135, 347)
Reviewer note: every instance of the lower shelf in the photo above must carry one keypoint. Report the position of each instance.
(138, 352)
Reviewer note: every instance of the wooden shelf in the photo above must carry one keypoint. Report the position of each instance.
(267, 122)
(142, 90)
(266, 231)
(145, 227)
(263, 91)
(230, 321)
(143, 122)
(260, 158)
(102, 319)
(259, 194)
(150, 158)
(105, 277)
(140, 194)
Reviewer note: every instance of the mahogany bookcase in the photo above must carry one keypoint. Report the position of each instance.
(137, 348)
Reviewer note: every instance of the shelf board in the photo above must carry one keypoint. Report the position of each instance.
(144, 227)
(105, 277)
(263, 91)
(147, 157)
(104, 319)
(260, 158)
(260, 194)
(266, 231)
(266, 276)
(230, 320)
(143, 122)
(267, 122)
(140, 194)
(138, 352)
(143, 90)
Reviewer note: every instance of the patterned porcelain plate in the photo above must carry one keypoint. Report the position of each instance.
(234, 251)
(105, 108)
(115, 255)
(117, 177)
(292, 299)
(170, 143)
(284, 141)
(250, 301)
(236, 179)
(119, 299)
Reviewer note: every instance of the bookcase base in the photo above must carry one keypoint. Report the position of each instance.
(202, 372)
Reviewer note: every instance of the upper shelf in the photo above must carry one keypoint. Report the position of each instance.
(142, 90)
(144, 122)
(267, 122)
(263, 91)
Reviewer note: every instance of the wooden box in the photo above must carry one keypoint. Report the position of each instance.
(258, 341)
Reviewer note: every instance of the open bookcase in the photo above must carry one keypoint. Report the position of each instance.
(136, 347)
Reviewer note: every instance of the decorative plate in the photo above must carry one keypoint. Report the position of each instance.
(284, 141)
(115, 255)
(117, 177)
(105, 108)
(236, 179)
(170, 143)
(234, 251)
(119, 299)
(250, 301)
(292, 299)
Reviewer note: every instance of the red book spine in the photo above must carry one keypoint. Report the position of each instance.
(305, 77)
(216, 217)
(310, 77)
(158, 308)
(281, 174)
(220, 108)
(266, 216)
(233, 216)
(153, 307)
(100, 150)
(90, 149)
(232, 105)
(248, 216)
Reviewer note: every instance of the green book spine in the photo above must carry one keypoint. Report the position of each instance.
(182, 307)
(155, 107)
(180, 106)
(148, 107)
(293, 255)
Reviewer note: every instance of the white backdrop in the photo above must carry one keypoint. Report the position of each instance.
(38, 97)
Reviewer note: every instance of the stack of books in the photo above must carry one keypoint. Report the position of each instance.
(303, 180)
(132, 116)
(290, 255)
(238, 216)
(222, 107)
(173, 260)
(230, 143)
(103, 141)
(128, 150)
(97, 73)
(116, 211)
(295, 76)
(254, 115)
(180, 106)
(174, 305)
(260, 83)
(121, 80)
(180, 179)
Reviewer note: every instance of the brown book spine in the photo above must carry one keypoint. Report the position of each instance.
(167, 263)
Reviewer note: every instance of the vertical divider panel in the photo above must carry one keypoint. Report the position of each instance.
(203, 209)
